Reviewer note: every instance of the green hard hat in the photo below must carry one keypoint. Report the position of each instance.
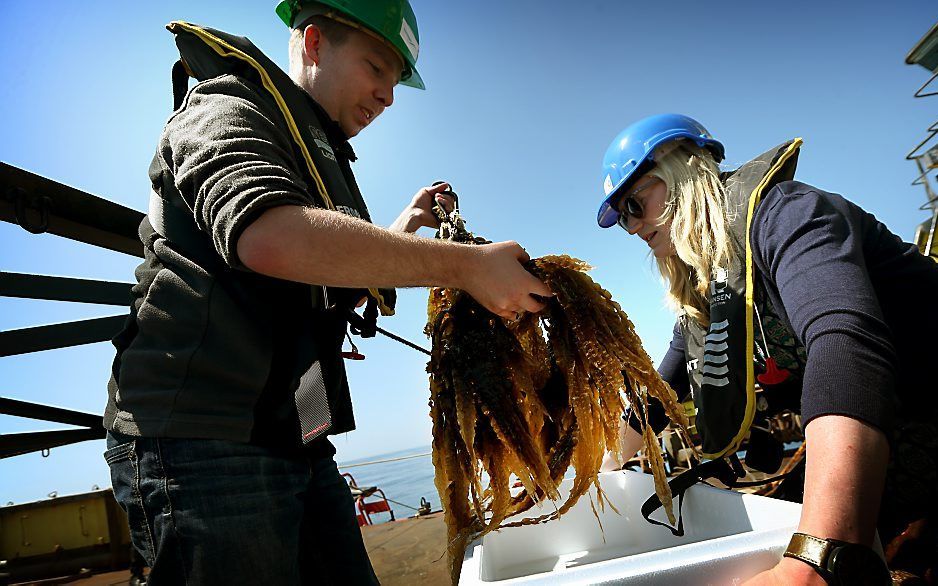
(391, 20)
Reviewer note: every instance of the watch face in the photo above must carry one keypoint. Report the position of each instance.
(858, 565)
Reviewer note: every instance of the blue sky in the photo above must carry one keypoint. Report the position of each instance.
(523, 98)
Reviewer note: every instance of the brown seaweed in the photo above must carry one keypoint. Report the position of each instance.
(524, 400)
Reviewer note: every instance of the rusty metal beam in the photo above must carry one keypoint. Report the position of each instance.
(42, 205)
(48, 413)
(50, 337)
(64, 289)
(15, 444)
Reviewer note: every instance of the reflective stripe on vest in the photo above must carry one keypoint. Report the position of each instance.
(720, 356)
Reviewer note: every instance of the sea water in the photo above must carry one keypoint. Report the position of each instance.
(405, 481)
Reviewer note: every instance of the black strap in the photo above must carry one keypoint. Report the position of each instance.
(371, 319)
(180, 83)
(365, 326)
(727, 470)
(720, 469)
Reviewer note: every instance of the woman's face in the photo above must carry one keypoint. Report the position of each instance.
(649, 194)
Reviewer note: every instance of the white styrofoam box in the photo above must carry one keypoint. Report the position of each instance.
(728, 538)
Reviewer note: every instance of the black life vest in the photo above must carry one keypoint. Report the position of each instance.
(722, 358)
(206, 54)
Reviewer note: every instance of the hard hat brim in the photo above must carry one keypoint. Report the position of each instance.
(288, 12)
(608, 215)
(414, 80)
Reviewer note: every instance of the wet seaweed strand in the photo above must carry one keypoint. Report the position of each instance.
(527, 399)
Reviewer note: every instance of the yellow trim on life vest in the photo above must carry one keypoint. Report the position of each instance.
(754, 199)
(226, 50)
(382, 305)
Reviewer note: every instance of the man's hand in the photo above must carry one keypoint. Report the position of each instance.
(496, 279)
(348, 252)
(420, 211)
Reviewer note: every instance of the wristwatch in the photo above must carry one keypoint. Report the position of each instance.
(840, 562)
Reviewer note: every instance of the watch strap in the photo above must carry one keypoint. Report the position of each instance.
(809, 549)
(824, 555)
(813, 551)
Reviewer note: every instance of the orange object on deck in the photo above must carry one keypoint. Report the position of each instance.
(365, 508)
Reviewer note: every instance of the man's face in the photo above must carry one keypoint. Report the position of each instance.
(354, 80)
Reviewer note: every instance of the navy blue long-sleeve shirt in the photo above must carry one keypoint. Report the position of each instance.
(862, 302)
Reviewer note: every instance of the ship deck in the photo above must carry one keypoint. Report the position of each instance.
(407, 552)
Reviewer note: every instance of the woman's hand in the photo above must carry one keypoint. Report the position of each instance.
(419, 212)
(630, 442)
(787, 572)
(845, 469)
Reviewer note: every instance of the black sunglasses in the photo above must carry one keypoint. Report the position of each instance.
(628, 206)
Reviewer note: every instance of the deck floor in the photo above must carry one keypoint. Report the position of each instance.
(409, 552)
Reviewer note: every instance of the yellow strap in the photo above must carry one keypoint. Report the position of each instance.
(382, 305)
(226, 50)
(754, 199)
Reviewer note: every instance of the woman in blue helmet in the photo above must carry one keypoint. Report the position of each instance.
(789, 298)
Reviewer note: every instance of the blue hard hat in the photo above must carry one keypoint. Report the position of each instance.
(631, 155)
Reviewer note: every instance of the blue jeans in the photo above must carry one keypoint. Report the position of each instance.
(216, 512)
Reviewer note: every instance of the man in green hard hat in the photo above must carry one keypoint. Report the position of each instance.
(228, 377)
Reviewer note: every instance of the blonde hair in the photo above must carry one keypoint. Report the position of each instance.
(700, 220)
